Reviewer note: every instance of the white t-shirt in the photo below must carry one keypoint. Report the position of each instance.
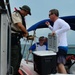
(60, 27)
(40, 48)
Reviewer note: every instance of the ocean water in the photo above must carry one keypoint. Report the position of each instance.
(25, 45)
(71, 49)
(25, 52)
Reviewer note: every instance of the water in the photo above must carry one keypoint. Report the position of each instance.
(71, 49)
(25, 51)
(25, 45)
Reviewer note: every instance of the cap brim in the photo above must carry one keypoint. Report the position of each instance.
(20, 8)
(23, 9)
(29, 13)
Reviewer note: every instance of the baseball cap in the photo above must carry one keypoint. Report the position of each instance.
(26, 8)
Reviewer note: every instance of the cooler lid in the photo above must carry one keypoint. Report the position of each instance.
(44, 53)
(52, 43)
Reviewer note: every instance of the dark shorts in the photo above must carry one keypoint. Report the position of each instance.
(61, 55)
(61, 59)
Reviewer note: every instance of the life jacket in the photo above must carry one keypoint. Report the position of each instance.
(23, 19)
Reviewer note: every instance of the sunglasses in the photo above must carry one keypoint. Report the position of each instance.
(50, 14)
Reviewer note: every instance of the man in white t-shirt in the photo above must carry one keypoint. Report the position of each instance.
(60, 28)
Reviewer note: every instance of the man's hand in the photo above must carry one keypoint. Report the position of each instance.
(53, 33)
(25, 34)
(47, 23)
(30, 51)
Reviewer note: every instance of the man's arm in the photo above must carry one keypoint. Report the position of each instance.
(48, 24)
(23, 29)
(32, 48)
(64, 27)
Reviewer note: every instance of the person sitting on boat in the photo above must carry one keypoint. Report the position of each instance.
(39, 45)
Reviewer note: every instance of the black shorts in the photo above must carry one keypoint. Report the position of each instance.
(61, 55)
(62, 52)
